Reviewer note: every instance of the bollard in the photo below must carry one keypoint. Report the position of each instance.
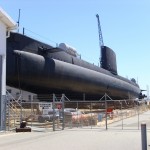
(143, 136)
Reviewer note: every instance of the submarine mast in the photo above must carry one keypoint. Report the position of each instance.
(18, 22)
(101, 43)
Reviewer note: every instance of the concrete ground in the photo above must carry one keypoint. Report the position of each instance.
(97, 138)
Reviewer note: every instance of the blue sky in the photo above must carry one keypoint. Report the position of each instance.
(125, 26)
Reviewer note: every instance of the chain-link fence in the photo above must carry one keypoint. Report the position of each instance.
(61, 113)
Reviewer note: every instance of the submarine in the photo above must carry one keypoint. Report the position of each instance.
(40, 68)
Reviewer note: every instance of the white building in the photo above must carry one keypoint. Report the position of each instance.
(6, 25)
(21, 95)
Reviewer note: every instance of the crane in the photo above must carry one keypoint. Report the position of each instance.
(101, 43)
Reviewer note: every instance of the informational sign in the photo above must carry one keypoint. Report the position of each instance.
(109, 110)
(58, 105)
(45, 107)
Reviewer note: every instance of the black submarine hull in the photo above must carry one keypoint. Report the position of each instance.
(44, 73)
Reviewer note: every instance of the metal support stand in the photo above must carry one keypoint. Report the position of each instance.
(20, 97)
(83, 96)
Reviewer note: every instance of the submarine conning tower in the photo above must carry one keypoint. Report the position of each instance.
(108, 59)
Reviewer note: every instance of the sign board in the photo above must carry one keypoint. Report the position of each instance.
(45, 107)
(58, 105)
(109, 110)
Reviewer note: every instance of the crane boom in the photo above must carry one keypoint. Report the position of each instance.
(101, 43)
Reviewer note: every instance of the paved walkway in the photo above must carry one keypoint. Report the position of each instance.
(79, 138)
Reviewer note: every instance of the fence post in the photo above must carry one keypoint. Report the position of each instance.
(53, 112)
(106, 111)
(143, 136)
(8, 109)
(63, 115)
(77, 116)
(31, 111)
(91, 114)
(121, 115)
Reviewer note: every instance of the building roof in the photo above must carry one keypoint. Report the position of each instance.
(7, 20)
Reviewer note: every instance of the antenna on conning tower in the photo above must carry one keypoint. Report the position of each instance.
(101, 43)
(18, 22)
